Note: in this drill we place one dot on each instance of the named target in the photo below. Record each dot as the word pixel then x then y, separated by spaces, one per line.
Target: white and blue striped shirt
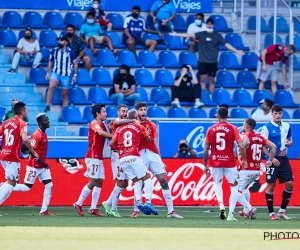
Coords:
pixel 62 61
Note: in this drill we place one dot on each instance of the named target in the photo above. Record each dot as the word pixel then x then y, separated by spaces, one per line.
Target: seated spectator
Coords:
pixel 186 88
pixel 91 33
pixel 100 17
pixel 263 113
pixel 75 44
pixel 28 50
pixel 185 151
pixel 10 114
pixel 162 13
pixel 134 27
pixel 124 87
pixel 197 26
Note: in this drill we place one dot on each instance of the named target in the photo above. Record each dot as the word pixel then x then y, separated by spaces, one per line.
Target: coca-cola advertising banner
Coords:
pixel 170 133
pixel 188 184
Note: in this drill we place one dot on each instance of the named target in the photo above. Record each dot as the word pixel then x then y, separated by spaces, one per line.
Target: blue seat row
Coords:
pixel 282 25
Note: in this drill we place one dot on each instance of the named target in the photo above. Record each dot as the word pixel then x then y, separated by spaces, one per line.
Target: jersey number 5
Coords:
pixel 9 138
pixel 127 139
pixel 221 144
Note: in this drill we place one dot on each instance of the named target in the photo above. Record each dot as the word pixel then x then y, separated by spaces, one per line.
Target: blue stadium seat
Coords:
pixel 72 115
pixel 83 131
pixel 106 58
pixel 83 78
pixel 116 20
pixel 144 96
pixel 179 23
pixel 115 39
pixel 174 42
pixel 98 95
pixel 296 65
pixel 156 112
pixel 164 78
pixel 149 23
pixel 285 115
pixel 205 98
pixel 243 98
pixel 236 41
pixel 94 62
pixel 213 112
pixel 151 36
pixel 34 20
pixel 268 85
pixel 296 41
pixel 238 113
pixel 249 60
pixel 197 113
pixel 87 114
pixel 168 59
pixel 190 19
pixel 176 113
pixel 102 77
pixel 48 38
pixel 160 96
pixel 281 24
pixel 247 80
pixel 2 113
pixel 263 24
pixel 220 24
pixel 296 24
pixel 226 79
pixel 285 99
pixel 77 96
pixel 269 40
pixel 38 76
pixel 148 59
pixel 74 18
pixel 221 96
pixel 189 58
pixel 260 95
pixel 57 96
pixel 112 111
pixel 54 20
pixel 296 114
pixel 229 61
pixel 13 20
pixel 8 38
pixel 144 77
pixel 128 58
pixel 2 25
pixel 21 34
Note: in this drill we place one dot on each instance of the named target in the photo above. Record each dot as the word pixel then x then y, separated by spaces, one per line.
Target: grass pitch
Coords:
pixel 22 228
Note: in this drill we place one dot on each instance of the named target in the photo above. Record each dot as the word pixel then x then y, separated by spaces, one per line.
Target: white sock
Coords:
pixel 84 193
pixel 244 202
pixel 281 210
pixel 246 193
pixel 234 193
pixel 168 198
pixel 6 191
pixel 271 214
pixel 109 200
pixel 135 208
pixel 219 193
pixel 138 190
pixel 148 189
pixel 2 186
pixel 95 197
pixel 21 187
pixel 115 198
pixel 47 196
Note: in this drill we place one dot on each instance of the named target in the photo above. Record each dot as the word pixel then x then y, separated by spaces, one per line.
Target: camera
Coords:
pixel 183 147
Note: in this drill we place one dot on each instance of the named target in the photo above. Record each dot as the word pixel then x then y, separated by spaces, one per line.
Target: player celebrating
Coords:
pixel 220 137
pixel 93 159
pixel 39 142
pixel 150 154
pixel 254 147
pixel 13 132
pixel 128 137
pixel 280 134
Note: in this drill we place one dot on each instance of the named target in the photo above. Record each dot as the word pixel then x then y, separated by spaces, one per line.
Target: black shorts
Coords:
pixel 283 173
pixel 209 69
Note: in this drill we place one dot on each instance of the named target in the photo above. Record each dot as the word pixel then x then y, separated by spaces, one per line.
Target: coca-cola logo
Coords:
pixel 196 139
pixel 71 165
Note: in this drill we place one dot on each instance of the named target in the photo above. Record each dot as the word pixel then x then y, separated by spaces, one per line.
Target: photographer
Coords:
pixel 184 150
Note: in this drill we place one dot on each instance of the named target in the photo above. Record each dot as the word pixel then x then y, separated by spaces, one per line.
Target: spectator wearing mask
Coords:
pixel 197 26
pixel 263 113
pixel 100 17
pixel 10 114
pixel 185 151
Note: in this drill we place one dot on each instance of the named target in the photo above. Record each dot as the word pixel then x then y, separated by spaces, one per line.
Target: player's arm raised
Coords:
pixel 272 153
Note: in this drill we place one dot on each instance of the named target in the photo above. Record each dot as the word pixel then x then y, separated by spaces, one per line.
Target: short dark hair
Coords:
pixel 200 14
pixel 96 108
pixel 30 30
pixel 276 108
pixel 126 67
pixel 140 105
pixel 269 102
pixel 223 112
pixel 19 108
pixel 210 20
pixel 250 122
pixel 39 117
pixel 291 46
pixel 224 105
pixel 122 106
pixel 71 26
pixel 97 1
pixel 136 7
pixel 184 66
pixel 91 13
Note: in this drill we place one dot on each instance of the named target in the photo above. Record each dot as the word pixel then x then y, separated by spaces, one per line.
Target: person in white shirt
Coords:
pixel 197 26
pixel 263 113
pixel 28 50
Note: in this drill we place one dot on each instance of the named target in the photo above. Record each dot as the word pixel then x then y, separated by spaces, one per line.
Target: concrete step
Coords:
pixel 4 58
pixel 12 78
pixel 6 97
pixel 17 88
pixel 53 116
pixel 5 67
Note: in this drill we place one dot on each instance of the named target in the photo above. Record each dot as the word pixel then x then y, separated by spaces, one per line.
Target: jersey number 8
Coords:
pixel 9 138
pixel 127 139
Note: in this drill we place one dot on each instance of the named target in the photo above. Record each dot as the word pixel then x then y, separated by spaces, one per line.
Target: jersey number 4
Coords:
pixel 9 137
pixel 127 142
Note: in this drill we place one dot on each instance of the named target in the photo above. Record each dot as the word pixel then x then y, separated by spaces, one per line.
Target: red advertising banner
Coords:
pixel 188 184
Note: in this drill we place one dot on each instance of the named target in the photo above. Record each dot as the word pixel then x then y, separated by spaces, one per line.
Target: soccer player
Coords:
pixel 128 137
pixel 150 154
pixel 280 134
pixel 13 132
pixel 39 142
pixel 93 159
pixel 220 138
pixel 247 175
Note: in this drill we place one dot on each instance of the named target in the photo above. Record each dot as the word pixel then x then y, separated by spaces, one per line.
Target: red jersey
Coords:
pixel 152 132
pixel 253 152
pixel 11 131
pixel 128 137
pixel 221 137
pixel 275 54
pixel 96 141
pixel 114 124
pixel 39 142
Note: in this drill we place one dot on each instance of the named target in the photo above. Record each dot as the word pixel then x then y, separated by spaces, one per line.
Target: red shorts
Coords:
pixel 103 23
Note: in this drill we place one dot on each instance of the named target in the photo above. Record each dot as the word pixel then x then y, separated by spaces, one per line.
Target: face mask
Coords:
pixel 135 15
pixel 27 37
pixel 95 6
pixel 60 45
pixel 286 54
pixel 209 30
pixel 198 22
pixel 186 75
pixel 263 107
pixel 69 34
pixel 90 21
pixel 123 74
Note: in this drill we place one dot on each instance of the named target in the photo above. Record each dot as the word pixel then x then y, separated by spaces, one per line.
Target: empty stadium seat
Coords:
pixel 189 58
pixel 72 115
pixel 144 96
pixel 285 99
pixel 174 42
pixel 83 78
pixel 54 20
pixel 296 114
pixel 296 65
pixel 149 23
pixel 228 60
pixel 296 24
pixel 2 113
pixel 115 39
pixel 38 76
pixel 190 19
pixel 87 114
pixel 48 38
pixel 221 96
pixel 160 96
pixel 220 24
pixel 13 20
pixel 56 97
pixel 168 59
pixel 8 38
pixel 238 113
pixel 98 95
pixel 269 40
pixel 45 55
pixel 285 115
pixel 243 98
pixel 77 96
pixel 34 20
pixel 21 34
pixel 249 61
pixel 156 112
pixel 247 80
pixel 281 24
pixel 116 20
pixel 197 113
pixel 127 57
pixel 74 18
pixel 106 58
pixel 236 41
pixel 102 77
pixel 205 98
pixel 112 111
pixel 148 59
pixel 263 24
pixel 164 78
pixel 296 41
pixel 83 131
pixel 179 23
pixel 260 95
pixel 176 113
pixel 2 25
pixel 144 77
pixel 94 62
pixel 226 79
